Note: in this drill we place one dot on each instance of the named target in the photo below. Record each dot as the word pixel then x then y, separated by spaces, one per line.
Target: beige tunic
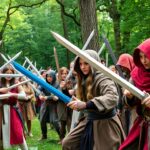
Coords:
pixel 27 106
pixel 108 133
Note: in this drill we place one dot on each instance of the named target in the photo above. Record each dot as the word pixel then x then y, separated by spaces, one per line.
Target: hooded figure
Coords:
pixel 52 74
pixel 48 111
pixel 126 63
pixel 139 136
pixel 128 115
pixel 99 127
pixel 126 60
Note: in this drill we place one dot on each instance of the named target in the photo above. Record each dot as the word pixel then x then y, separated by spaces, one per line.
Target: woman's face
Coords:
pixel 44 74
pixel 8 72
pixel 84 66
pixel 64 74
pixel 144 60
pixel 126 72
pixel 49 79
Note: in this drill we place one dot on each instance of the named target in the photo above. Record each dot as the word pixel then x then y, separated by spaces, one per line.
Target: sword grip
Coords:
pixel 146 95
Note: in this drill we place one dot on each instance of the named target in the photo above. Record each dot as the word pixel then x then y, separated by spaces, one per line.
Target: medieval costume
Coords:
pixel 99 126
pixel 11 122
pixel 48 111
pixel 138 137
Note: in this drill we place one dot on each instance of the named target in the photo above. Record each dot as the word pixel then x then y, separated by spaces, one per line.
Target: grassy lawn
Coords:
pixel 49 144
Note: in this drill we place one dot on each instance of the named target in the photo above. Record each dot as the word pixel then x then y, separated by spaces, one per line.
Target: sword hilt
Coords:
pixel 146 95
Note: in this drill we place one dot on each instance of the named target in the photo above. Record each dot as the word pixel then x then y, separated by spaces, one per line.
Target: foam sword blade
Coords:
pixel 122 82
pixel 41 82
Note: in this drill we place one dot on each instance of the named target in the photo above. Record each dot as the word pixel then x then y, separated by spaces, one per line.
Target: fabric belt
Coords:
pixel 100 116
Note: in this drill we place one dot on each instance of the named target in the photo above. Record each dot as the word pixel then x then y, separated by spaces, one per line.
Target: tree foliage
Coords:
pixel 25 26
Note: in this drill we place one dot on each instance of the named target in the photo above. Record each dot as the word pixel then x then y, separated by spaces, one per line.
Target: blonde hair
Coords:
pixel 62 69
pixel 88 83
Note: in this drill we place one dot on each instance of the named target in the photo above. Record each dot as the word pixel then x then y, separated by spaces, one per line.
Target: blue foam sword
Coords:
pixel 42 83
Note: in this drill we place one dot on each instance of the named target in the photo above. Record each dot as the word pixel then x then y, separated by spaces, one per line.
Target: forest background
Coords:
pixel 25 26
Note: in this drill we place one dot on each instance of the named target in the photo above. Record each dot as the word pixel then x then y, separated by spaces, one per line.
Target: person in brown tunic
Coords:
pixel 64 112
pixel 27 107
pixel 99 127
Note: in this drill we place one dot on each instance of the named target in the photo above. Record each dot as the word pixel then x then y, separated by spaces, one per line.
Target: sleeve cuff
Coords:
pixel 90 105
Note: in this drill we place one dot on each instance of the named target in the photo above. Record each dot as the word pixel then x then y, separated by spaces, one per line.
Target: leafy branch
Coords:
pixel 12 9
pixel 67 14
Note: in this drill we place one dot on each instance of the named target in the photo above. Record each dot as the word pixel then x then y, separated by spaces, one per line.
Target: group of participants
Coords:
pixel 101 115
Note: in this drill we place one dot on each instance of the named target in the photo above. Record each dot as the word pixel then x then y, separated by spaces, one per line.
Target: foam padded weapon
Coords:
pixel 88 40
pixel 41 82
pixel 12 59
pixel 116 78
pixel 57 64
pixel 112 55
pixel 10 75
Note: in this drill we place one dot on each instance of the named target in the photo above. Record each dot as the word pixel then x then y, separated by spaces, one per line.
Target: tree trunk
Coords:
pixel 116 22
pixel 126 40
pixel 115 15
pixel 65 32
pixel 88 21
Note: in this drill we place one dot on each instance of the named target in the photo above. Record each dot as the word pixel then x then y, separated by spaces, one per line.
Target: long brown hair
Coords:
pixel 88 82
pixel 3 79
pixel 81 94
pixel 62 69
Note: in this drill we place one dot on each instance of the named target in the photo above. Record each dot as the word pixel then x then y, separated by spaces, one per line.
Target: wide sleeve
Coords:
pixel 21 93
pixel 106 95
pixel 51 96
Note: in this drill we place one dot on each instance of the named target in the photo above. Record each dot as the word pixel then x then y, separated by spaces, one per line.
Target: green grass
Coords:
pixel 49 144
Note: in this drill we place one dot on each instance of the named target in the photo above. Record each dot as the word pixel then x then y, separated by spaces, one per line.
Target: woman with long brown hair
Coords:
pixel 11 131
pixel 96 99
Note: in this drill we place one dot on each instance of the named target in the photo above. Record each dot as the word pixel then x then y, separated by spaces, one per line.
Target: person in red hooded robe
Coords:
pixel 139 135
pixel 128 114
pixel 126 63
pixel 11 122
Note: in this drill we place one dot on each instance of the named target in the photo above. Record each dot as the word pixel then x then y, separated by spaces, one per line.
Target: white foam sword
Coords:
pixel 122 82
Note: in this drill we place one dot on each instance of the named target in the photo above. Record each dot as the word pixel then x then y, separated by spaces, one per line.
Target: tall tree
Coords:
pixel 113 7
pixel 88 21
pixel 61 2
pixel 12 8
pixel 134 26
pixel 72 16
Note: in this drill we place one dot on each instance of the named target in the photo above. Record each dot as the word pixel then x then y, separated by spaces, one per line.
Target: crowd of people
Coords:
pixel 101 115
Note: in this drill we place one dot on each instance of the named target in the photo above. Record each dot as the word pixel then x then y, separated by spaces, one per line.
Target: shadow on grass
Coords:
pixel 53 141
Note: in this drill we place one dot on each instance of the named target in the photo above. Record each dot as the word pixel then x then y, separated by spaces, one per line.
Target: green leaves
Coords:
pixel 28 28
